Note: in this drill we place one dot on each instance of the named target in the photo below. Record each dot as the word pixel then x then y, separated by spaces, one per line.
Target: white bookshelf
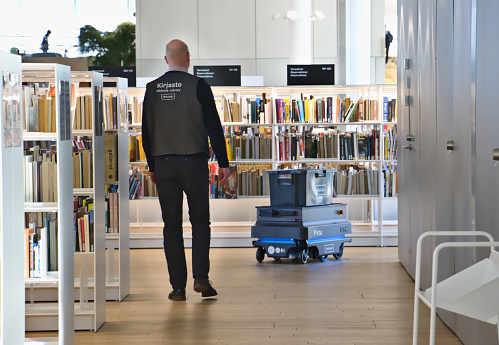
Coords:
pixel 11 203
pixel 93 288
pixel 90 271
pixel 118 269
pixel 367 212
pixel 58 316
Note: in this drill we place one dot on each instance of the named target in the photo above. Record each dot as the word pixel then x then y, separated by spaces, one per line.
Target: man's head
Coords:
pixel 177 54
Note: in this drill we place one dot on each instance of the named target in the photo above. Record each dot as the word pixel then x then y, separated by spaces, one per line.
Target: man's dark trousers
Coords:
pixel 175 175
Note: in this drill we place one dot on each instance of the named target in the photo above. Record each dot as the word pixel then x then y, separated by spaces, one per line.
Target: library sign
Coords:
pixel 311 74
pixel 220 75
pixel 128 72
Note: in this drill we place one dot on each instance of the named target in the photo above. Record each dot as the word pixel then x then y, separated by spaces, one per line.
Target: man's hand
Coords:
pixel 152 175
pixel 223 176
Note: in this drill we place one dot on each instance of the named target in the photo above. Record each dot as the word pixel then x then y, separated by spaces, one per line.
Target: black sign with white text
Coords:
pixel 220 75
pixel 128 72
pixel 311 74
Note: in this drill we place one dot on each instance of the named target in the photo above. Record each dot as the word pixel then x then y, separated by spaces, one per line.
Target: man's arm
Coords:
pixel 212 123
pixel 147 110
pixel 214 129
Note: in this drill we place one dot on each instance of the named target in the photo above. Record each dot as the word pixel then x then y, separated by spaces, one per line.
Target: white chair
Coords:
pixel 471 292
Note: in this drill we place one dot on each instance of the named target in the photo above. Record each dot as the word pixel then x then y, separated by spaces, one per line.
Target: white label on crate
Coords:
pixel 319 190
pixel 329 248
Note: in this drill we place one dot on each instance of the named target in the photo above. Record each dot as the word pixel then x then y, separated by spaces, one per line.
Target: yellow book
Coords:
pixel 41 114
pixel 111 110
pixel 286 107
pixel 307 109
pixel 132 148
pixel 142 154
pixel 54 115
pixel 87 116
pixel 229 149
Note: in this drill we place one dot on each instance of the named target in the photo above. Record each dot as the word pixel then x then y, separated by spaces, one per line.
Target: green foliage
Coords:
pixel 112 47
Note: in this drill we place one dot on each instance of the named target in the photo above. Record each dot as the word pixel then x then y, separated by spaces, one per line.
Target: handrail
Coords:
pixel 417 282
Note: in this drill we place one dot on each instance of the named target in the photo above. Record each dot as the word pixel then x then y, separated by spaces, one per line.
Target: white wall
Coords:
pixel 240 32
pixel 228 32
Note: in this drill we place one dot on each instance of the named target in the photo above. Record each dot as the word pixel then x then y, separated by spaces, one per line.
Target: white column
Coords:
pixel 300 32
pixel 358 42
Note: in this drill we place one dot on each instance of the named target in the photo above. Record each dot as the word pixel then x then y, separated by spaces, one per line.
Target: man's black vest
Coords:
pixel 176 124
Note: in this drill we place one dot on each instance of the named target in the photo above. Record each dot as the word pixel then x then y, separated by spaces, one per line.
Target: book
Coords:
pixel 230 191
pixel 110 161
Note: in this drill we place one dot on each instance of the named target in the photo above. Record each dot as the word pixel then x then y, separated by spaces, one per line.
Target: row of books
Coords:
pixel 112 209
pixel 134 110
pixel 110 117
pixel 40 244
pixel 328 145
pixel 83 224
pixel 248 146
pixel 356 182
pixel 389 109
pixel 390 143
pixel 365 181
pixel 244 109
pixel 135 184
pixel 40 112
pixel 314 110
pixel 81 112
pixel 135 149
pixel 253 181
pixel 83 172
pixel 40 175
pixel 140 184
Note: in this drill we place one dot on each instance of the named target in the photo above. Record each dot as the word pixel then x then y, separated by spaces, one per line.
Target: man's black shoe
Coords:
pixel 177 295
pixel 204 286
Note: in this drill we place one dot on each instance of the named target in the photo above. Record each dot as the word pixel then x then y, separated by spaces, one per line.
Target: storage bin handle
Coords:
pixel 276 213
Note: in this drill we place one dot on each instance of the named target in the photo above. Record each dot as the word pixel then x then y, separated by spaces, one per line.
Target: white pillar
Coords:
pixel 300 32
pixel 358 42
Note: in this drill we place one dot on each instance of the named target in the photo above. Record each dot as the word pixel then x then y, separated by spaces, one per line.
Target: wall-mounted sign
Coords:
pixel 311 74
pixel 220 75
pixel 128 72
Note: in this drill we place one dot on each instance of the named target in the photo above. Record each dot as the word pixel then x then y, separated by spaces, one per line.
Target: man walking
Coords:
pixel 179 114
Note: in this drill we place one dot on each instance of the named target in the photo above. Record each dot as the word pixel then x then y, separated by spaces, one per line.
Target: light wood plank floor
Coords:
pixel 365 298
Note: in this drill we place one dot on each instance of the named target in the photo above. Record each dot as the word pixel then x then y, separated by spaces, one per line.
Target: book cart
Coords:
pixel 11 202
pixel 118 269
pixel 365 211
pixel 64 315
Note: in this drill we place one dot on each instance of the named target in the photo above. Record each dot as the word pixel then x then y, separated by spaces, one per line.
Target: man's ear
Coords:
pixel 166 60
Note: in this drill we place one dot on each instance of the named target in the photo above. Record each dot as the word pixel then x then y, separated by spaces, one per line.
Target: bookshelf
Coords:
pixel 90 283
pixel 118 268
pixel 64 316
pixel 373 212
pixel 11 203
pixel 89 265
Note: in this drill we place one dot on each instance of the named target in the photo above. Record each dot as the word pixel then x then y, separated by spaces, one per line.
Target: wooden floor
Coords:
pixel 365 298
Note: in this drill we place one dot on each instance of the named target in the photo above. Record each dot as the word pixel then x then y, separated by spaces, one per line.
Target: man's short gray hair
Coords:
pixel 175 49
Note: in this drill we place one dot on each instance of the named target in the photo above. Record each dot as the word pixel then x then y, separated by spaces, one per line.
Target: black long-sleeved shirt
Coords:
pixel 210 118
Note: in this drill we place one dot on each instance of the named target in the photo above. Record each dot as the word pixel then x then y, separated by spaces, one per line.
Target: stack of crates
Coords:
pixel 302 221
